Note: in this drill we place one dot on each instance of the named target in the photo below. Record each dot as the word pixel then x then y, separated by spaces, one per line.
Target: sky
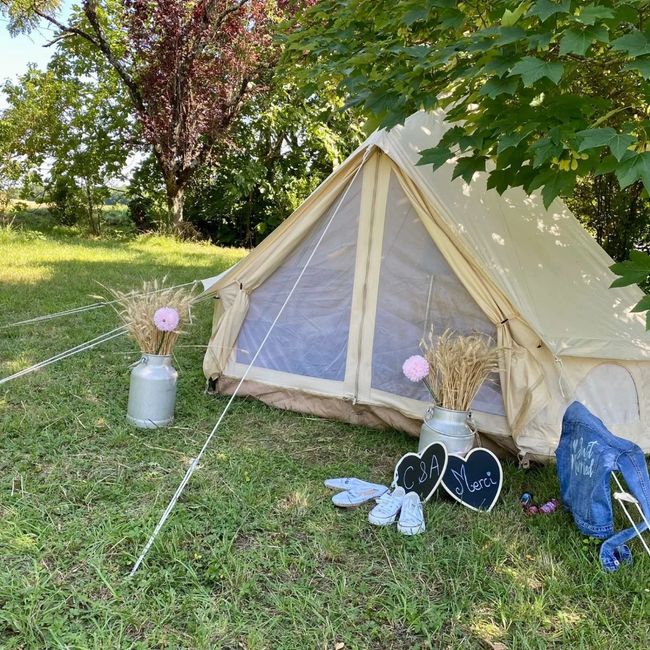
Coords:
pixel 16 52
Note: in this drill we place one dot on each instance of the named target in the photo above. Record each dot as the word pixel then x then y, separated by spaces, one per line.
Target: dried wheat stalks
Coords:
pixel 458 366
pixel 137 309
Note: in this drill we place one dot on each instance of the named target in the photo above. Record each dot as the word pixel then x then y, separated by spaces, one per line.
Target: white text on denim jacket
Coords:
pixel 582 457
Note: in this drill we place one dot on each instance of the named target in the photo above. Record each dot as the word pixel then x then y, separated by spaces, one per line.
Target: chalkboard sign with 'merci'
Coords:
pixel 421 473
pixel 475 481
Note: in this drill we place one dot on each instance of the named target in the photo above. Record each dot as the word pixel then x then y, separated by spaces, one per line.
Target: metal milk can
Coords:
pixel 152 394
pixel 455 429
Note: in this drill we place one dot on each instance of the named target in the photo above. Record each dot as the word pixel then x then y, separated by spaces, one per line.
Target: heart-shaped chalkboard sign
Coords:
pixel 421 473
pixel 475 481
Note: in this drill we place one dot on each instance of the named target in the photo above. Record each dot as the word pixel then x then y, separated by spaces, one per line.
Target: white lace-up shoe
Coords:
pixel 356 497
pixel 350 484
pixel 387 508
pixel 411 518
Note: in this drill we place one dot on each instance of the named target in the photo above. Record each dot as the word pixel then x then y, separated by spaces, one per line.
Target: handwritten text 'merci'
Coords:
pixel 474 486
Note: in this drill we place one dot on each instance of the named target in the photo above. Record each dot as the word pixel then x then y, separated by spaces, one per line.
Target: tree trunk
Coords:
pixel 175 201
pixel 95 226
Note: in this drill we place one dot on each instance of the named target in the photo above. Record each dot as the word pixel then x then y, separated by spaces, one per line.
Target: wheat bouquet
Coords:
pixel 453 367
pixel 154 316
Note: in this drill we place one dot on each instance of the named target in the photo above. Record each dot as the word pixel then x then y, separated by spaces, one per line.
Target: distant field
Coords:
pixel 254 556
pixel 37 217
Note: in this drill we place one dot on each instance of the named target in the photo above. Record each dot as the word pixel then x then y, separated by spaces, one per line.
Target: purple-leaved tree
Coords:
pixel 188 67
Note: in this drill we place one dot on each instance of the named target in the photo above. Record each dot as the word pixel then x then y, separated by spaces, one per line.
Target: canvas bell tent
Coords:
pixel 385 250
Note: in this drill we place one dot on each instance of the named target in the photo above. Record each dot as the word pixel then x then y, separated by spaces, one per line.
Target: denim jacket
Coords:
pixel 586 456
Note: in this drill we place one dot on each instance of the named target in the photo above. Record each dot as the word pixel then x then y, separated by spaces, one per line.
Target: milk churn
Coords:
pixel 455 429
pixel 152 394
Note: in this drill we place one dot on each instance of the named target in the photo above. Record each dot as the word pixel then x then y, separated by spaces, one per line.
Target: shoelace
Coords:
pixel 387 501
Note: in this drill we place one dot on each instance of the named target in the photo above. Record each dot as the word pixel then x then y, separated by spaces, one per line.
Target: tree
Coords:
pixel 548 91
pixel 68 129
pixel 286 148
pixel 618 219
pixel 187 66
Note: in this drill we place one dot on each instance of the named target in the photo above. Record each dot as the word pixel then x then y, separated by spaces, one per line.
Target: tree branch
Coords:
pixel 98 40
pixel 90 10
pixel 67 29
pixel 209 5
pixel 58 38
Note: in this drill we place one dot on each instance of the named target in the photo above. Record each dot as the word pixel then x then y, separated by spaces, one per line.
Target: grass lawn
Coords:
pixel 254 555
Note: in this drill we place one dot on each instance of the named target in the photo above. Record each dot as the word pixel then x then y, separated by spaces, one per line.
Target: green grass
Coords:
pixel 254 555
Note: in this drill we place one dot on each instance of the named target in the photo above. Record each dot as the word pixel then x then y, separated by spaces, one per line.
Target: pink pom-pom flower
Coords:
pixel 415 368
pixel 166 319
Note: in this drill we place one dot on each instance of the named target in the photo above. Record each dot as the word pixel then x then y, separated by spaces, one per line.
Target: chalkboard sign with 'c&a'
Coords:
pixel 421 473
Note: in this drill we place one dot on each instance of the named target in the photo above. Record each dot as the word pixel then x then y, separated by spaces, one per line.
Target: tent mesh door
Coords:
pixel 413 276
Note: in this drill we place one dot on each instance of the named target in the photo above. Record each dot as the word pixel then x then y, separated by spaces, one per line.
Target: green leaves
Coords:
pixel 636 270
pixel 618 143
pixel 554 183
pixel 553 92
pixel 511 17
pixel 544 9
pixel 544 150
pixel 632 271
pixel 592 14
pixel 633 168
pixel 578 41
pixel 467 166
pixel 532 69
pixel 495 87
pixel 436 156
pixel 634 44
pixel 642 66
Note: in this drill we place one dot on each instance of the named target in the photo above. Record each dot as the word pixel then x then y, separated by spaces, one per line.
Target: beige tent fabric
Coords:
pixel 527 251
pixel 234 306
pixel 512 257
pixel 369 415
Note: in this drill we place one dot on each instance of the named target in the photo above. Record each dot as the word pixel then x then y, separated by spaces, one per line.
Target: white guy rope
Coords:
pixel 627 514
pixel 82 347
pixel 90 307
pixel 195 461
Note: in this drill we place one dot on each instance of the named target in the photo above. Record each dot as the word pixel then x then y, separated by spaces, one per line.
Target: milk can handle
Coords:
pixel 471 425
pixel 143 359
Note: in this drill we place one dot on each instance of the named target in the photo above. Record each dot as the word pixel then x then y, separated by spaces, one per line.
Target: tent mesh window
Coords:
pixel 414 276
pixel 311 336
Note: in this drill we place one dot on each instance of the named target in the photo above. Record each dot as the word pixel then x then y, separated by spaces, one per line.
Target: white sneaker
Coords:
pixel 389 504
pixel 356 497
pixel 350 484
pixel 411 518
